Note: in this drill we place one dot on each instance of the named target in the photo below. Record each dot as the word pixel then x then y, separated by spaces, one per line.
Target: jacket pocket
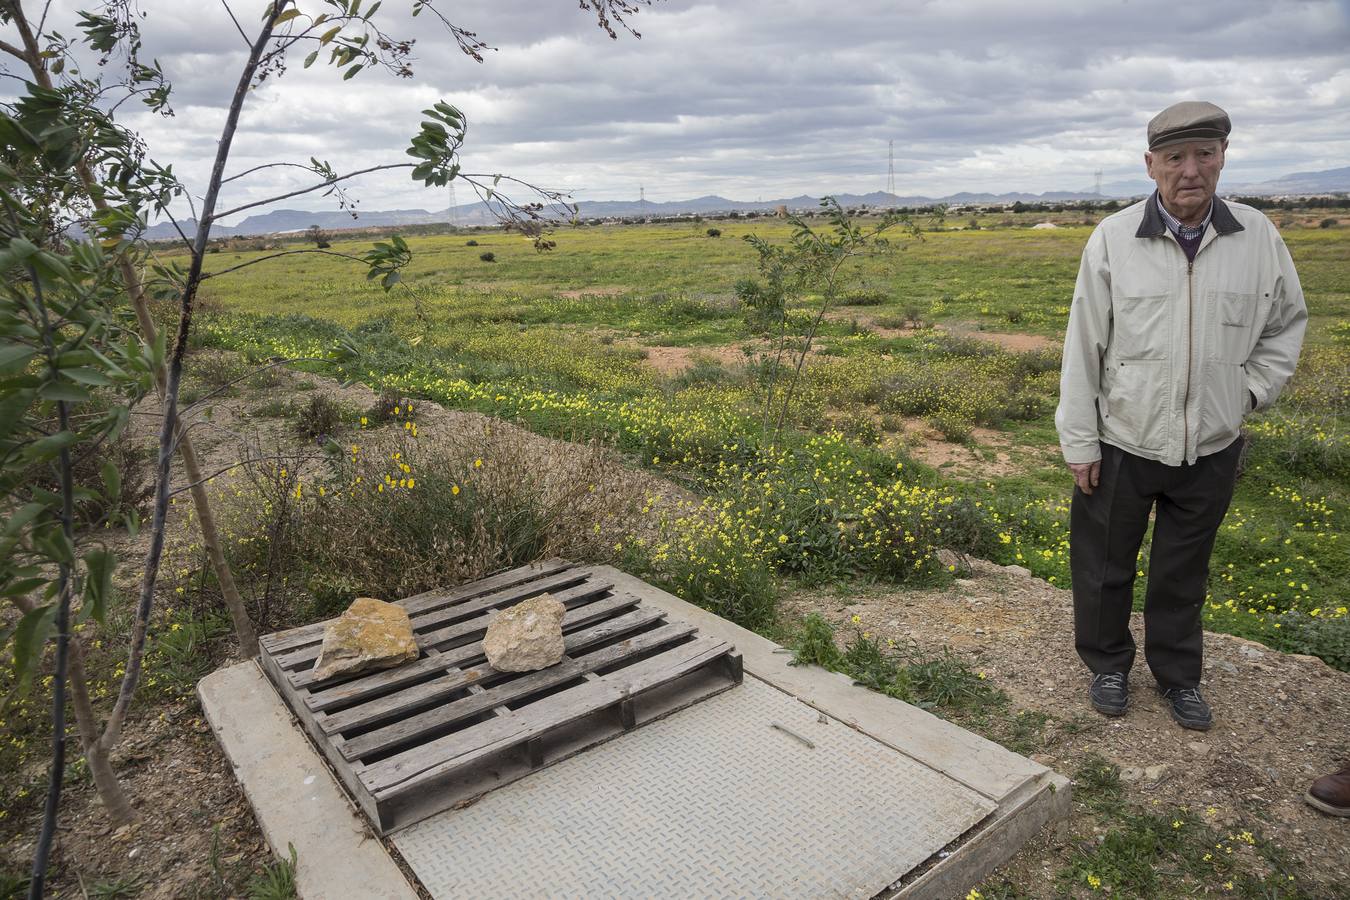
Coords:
pixel 1140 327
pixel 1137 404
pixel 1225 402
pixel 1233 315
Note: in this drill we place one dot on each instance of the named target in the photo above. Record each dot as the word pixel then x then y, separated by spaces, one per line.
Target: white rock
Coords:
pixel 526 637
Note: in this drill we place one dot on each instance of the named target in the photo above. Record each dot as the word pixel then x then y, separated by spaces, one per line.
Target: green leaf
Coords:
pixel 14 357
pixel 85 375
pixel 309 60
pixel 54 544
pixel 55 390
pixel 34 629
pixel 329 35
pixel 49 446
pixel 27 513
pixel 285 17
pixel 351 72
pixel 112 480
pixel 21 586
pixel 98 586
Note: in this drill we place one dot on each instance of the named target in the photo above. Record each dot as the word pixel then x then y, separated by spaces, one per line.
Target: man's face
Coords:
pixel 1187 175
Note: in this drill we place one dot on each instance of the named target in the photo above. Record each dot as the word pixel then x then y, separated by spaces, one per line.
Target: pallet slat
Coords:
pixel 382 739
pixel 326 696
pixel 464 748
pixel 307 634
pixel 382 709
pixel 480 610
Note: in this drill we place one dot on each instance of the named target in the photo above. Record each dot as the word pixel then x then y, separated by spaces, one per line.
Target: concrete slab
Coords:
pixel 295 798
pixel 751 793
pixel 988 800
pixel 980 764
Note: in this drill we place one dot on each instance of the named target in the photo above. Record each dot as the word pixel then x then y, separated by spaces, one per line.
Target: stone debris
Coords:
pixel 526 637
pixel 371 634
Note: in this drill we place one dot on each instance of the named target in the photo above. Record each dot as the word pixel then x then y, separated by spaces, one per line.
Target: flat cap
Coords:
pixel 1189 120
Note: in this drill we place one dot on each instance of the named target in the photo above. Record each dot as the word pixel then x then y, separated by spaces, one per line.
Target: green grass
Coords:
pixel 505 340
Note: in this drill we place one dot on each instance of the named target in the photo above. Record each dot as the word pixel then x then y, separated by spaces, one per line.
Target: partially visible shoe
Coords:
pixel 1189 709
pixel 1331 793
pixel 1110 693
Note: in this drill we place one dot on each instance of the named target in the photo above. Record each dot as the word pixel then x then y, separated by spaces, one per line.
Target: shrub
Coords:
pixel 423 512
pixel 865 298
pixel 319 419
pixel 951 425
pixel 714 232
pixel 471 243
pixel 388 406
pixel 488 256
pixel 1013 315
pixel 1323 637
pixel 862 428
pixel 212 374
pixel 813 644
pixel 1328 223
pixel 940 680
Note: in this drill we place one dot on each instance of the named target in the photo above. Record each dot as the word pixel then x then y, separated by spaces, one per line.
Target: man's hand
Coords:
pixel 1086 475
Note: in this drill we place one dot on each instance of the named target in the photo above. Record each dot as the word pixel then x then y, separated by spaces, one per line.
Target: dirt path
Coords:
pixel 1280 720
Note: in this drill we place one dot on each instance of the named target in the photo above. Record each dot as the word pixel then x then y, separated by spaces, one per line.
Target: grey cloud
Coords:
pixel 776 97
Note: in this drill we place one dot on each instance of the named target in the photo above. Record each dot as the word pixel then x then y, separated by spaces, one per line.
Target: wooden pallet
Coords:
pixel 446 728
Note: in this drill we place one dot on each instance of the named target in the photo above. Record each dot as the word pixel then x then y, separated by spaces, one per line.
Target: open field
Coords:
pixel 923 423
pixel 935 379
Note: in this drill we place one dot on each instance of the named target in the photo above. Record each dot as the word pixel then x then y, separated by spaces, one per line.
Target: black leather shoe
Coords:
pixel 1189 709
pixel 1110 693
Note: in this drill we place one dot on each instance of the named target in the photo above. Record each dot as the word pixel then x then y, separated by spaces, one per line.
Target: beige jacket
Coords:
pixel 1164 358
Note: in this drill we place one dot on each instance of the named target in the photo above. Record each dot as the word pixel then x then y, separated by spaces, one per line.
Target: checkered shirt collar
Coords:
pixel 1191 232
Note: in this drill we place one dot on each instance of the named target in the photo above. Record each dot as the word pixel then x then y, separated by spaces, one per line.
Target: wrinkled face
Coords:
pixel 1187 176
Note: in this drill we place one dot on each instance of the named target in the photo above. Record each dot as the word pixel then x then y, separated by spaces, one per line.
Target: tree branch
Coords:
pixel 265 166
pixel 229 212
pixel 112 730
pixel 237 26
pixel 246 462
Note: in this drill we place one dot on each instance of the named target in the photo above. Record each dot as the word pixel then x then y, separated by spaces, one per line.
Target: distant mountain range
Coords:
pixel 280 221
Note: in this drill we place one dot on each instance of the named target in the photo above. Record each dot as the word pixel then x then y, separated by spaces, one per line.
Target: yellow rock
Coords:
pixel 371 634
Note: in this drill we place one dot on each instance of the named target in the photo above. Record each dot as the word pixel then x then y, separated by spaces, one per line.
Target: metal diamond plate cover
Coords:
pixel 751 793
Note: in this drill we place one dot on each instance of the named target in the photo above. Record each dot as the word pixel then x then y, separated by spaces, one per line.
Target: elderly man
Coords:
pixel 1187 316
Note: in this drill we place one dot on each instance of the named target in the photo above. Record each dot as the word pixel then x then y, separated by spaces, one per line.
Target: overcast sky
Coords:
pixel 773 98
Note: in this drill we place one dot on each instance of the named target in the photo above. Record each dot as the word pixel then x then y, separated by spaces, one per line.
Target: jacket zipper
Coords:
pixel 1186 396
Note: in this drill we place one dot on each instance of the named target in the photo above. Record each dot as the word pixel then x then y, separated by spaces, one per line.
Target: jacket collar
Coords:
pixel 1151 225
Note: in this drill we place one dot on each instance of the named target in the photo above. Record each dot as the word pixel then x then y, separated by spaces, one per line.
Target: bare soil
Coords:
pixel 985 454
pixel 610 291
pixel 674 360
pixel 1281 720
pixel 1008 340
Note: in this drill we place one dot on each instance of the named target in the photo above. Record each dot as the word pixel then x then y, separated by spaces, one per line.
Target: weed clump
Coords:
pixel 488 256
pixel 400 517
pixel 319 419
pixel 939 680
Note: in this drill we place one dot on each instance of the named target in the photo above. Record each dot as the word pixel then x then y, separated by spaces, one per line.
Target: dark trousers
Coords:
pixel 1106 529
